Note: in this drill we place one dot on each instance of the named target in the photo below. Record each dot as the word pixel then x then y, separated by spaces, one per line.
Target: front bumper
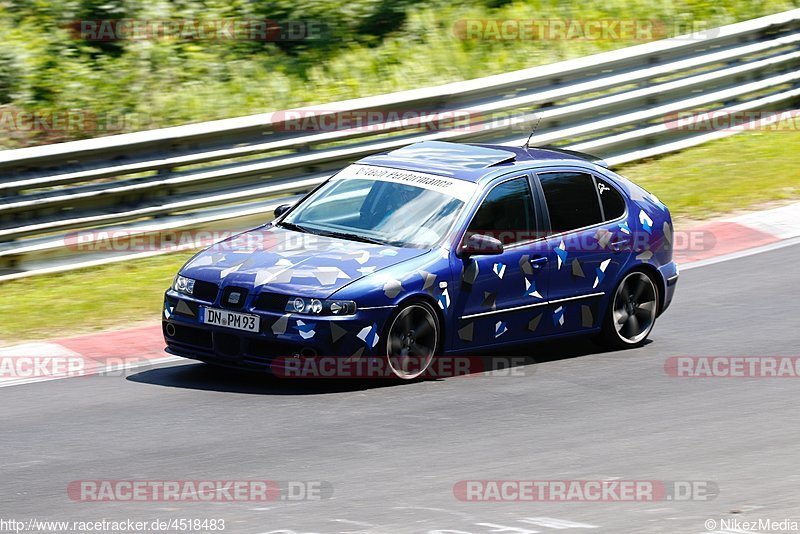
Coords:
pixel 281 335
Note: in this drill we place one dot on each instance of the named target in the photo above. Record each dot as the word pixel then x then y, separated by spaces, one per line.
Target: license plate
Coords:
pixel 229 319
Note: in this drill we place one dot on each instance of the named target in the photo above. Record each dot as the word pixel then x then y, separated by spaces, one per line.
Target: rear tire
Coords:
pixel 631 312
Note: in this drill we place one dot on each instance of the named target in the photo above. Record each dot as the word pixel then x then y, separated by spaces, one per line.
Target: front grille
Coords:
pixel 233 297
pixel 227 344
pixel 268 349
pixel 271 302
pixel 232 348
pixel 191 336
pixel 206 291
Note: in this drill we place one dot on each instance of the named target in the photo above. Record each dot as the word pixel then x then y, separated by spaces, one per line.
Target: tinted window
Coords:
pixel 613 203
pixel 506 213
pixel 391 212
pixel 571 200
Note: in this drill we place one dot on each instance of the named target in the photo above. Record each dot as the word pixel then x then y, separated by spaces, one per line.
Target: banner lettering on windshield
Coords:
pixel 460 189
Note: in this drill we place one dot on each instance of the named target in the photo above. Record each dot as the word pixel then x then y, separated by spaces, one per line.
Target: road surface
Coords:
pixel 393 454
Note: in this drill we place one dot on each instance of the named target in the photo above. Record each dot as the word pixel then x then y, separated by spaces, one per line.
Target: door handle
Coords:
pixel 539 262
pixel 617 246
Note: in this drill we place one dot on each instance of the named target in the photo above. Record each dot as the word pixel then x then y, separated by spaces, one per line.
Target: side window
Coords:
pixel 612 201
pixel 506 213
pixel 571 200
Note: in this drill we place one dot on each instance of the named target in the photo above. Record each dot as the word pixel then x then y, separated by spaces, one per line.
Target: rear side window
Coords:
pixel 572 200
pixel 612 201
pixel 506 213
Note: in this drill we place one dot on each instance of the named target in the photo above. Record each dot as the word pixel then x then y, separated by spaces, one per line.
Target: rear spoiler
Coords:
pixel 582 155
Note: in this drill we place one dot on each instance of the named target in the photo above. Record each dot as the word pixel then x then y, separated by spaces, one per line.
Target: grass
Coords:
pixel 729 174
pixel 370 47
pixel 75 302
pixel 726 175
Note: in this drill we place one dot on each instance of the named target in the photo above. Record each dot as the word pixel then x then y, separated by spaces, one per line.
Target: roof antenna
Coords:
pixel 535 126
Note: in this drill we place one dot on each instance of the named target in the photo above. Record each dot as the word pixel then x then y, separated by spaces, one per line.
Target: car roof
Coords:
pixel 472 162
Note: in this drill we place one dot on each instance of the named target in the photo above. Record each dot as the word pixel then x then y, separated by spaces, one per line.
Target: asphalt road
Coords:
pixel 393 453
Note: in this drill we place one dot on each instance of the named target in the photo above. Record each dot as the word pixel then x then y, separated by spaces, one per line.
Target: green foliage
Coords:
pixel 366 47
pixel 9 76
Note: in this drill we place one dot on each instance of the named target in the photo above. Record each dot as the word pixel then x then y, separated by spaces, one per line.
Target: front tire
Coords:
pixel 631 312
pixel 412 340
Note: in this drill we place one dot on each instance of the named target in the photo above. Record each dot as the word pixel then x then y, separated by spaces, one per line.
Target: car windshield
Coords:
pixel 382 205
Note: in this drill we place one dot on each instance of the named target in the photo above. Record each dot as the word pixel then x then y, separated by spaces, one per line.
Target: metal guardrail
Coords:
pixel 231 173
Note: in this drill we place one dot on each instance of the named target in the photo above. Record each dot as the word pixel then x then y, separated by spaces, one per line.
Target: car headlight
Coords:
pixel 184 285
pixel 321 307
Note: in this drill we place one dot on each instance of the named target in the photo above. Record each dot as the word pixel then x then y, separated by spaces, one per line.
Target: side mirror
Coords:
pixel 480 245
pixel 280 210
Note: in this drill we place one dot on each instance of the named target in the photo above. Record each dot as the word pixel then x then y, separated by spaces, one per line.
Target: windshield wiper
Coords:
pixel 331 233
pixel 295 227
pixel 353 237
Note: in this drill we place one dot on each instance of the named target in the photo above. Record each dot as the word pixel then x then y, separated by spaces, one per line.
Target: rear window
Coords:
pixel 572 200
pixel 612 201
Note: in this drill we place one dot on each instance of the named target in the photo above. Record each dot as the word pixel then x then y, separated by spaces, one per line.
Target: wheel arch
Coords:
pixel 428 299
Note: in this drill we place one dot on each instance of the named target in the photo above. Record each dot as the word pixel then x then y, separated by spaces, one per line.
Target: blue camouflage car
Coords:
pixel 433 249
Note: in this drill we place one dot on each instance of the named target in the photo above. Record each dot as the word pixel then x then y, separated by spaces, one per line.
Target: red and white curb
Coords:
pixel 105 353
pixel 742 235
pixel 113 353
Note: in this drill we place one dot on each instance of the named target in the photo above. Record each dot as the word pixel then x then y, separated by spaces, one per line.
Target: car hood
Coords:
pixel 278 260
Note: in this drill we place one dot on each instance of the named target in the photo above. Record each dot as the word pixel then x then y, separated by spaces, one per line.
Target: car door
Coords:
pixel 498 292
pixel 589 242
